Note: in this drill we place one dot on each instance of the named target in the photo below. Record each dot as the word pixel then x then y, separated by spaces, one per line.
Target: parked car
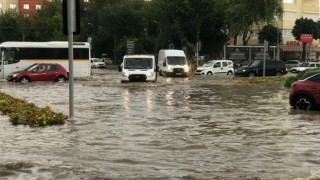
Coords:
pixel 292 63
pixel 40 72
pixel 97 63
pixel 304 66
pixel 216 67
pixel 272 68
pixel 305 93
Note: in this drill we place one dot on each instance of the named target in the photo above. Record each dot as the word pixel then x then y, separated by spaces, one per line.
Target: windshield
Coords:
pixel 254 64
pixel 208 64
pixel 304 65
pixel 30 67
pixel 175 60
pixel 138 63
pixel 95 60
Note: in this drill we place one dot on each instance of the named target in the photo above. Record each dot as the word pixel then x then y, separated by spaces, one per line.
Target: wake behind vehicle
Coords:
pixel 40 72
pixel 305 93
pixel 138 68
pixel 216 67
pixel 272 68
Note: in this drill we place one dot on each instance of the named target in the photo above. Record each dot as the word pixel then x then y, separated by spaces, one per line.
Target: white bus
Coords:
pixel 16 56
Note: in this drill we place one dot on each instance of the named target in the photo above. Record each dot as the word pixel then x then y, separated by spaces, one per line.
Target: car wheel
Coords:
pixel 230 73
pixel 303 103
pixel 209 73
pixel 278 74
pixel 251 74
pixel 160 73
pixel 24 79
pixel 61 79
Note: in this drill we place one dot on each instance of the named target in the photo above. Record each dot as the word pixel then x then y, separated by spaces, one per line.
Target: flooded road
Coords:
pixel 201 127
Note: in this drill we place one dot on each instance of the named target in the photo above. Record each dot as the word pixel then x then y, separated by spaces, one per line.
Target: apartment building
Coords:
pixel 26 7
pixel 289 47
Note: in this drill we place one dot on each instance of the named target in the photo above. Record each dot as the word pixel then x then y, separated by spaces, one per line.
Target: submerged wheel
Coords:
pixel 278 74
pixel 230 73
pixel 209 73
pixel 251 74
pixel 303 103
pixel 25 79
pixel 61 79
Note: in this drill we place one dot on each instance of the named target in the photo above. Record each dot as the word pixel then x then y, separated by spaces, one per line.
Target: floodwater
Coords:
pixel 200 127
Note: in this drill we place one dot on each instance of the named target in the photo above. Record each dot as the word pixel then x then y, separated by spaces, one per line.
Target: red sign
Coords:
pixel 307 38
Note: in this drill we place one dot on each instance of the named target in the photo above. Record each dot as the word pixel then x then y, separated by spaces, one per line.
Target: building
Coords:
pixel 289 47
pixel 29 7
pixel 26 7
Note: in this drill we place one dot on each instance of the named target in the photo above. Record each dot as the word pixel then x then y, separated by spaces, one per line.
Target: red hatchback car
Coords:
pixel 40 72
pixel 305 93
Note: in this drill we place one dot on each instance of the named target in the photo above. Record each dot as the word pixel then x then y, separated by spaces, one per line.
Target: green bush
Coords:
pixel 21 112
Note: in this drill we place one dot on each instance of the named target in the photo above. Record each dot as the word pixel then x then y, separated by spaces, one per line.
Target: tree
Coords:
pixel 241 15
pixel 271 34
pixel 9 26
pixel 305 26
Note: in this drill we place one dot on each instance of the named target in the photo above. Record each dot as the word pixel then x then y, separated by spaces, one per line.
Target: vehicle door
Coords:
pixel 38 73
pixel 51 72
pixel 217 67
pixel 271 68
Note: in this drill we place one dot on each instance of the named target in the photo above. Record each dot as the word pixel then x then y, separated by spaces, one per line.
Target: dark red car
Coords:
pixel 305 93
pixel 40 72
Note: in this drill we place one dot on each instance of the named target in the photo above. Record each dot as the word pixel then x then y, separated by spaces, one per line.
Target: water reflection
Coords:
pixel 199 127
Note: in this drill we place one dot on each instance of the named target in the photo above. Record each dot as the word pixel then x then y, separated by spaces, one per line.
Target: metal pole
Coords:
pixel 2 65
pixel 264 57
pixel 71 13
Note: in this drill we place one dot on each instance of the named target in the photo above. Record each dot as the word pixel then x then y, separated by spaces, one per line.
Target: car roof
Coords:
pixel 309 74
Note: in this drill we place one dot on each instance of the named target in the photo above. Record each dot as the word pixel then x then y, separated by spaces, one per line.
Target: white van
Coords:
pixel 172 62
pixel 216 67
pixel 138 68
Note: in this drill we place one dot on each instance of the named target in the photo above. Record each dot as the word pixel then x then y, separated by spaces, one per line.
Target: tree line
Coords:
pixel 152 25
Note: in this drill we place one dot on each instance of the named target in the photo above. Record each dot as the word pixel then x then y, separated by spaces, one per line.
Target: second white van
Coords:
pixel 216 67
pixel 173 62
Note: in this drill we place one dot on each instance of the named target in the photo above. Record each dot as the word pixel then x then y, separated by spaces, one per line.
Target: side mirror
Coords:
pixel 120 68
pixel 164 64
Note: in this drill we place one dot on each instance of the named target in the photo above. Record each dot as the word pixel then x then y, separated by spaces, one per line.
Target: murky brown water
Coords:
pixel 201 127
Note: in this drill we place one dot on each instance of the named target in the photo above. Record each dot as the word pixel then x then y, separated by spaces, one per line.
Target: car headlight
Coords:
pixel 125 74
pixel 186 69
pixel 244 70
pixel 170 68
pixel 14 75
pixel 150 74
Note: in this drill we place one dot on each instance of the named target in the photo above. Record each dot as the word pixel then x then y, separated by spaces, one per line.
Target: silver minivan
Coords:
pixel 216 67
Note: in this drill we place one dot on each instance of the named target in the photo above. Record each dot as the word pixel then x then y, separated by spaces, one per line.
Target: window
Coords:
pixel 289 1
pixel 255 34
pixel 13 6
pixel 38 7
pixel 287 33
pixel 26 6
pixel 312 16
pixel 287 15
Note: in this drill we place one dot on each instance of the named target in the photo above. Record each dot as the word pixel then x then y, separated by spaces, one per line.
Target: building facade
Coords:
pixel 289 47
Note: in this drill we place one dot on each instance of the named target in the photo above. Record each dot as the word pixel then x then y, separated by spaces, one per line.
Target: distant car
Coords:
pixel 292 63
pixel 304 66
pixel 305 93
pixel 40 72
pixel 272 68
pixel 216 67
pixel 97 63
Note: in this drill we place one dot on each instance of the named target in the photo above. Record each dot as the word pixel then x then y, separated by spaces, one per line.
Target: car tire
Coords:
pixel 251 74
pixel 24 79
pixel 61 79
pixel 230 73
pixel 209 73
pixel 303 102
